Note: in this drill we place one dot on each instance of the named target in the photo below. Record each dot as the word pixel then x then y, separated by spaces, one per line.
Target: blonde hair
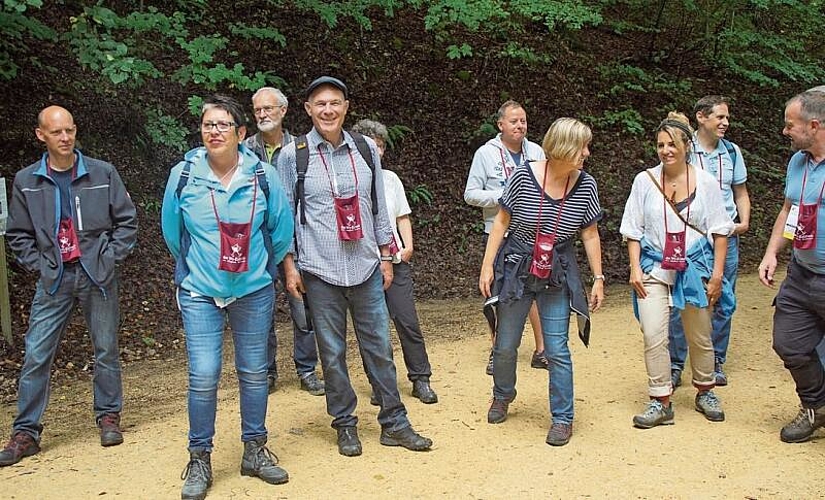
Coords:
pixel 678 127
pixel 565 139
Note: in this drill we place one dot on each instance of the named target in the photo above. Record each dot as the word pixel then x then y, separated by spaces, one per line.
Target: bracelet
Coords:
pixel 386 258
pixel 598 277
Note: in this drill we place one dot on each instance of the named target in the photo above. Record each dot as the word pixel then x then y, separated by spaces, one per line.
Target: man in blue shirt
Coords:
pixel 723 159
pixel 799 318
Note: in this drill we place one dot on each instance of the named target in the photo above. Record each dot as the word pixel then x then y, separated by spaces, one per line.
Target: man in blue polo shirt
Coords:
pixel 723 159
pixel 799 318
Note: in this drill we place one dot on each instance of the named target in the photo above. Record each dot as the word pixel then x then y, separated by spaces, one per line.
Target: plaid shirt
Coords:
pixel 320 251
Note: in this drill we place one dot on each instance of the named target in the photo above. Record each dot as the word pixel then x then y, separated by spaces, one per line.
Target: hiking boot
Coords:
pixel 498 410
pixel 407 438
pixel 110 433
pixel 708 404
pixel 197 475
pixel 312 385
pixel 271 383
pixel 348 443
pixel 540 361
pixel 258 461
pixel 21 444
pixel 655 414
pixel 559 434
pixel 489 370
pixel 803 425
pixel 675 378
pixel 423 391
pixel 719 375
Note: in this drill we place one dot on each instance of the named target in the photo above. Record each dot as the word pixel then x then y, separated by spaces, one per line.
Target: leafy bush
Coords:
pixel 18 27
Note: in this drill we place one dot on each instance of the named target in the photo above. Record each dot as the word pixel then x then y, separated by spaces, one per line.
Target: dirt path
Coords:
pixel 607 457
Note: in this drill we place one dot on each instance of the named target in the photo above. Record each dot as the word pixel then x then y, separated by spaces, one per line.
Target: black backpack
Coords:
pixel 302 163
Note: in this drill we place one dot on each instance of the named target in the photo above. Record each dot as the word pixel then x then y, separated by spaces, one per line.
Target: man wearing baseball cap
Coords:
pixel 342 260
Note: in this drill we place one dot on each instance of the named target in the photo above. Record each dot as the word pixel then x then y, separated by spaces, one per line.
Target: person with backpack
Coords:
pixel 270 106
pixel 227 223
pixel 722 159
pixel 342 261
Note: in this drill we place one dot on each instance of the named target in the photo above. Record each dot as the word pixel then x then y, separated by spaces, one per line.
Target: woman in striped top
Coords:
pixel 676 229
pixel 530 256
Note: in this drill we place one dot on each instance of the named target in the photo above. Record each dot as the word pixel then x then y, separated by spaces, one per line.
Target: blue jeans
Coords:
pixel 250 318
pixel 720 335
pixel 368 310
pixel 305 351
pixel 49 318
pixel 554 312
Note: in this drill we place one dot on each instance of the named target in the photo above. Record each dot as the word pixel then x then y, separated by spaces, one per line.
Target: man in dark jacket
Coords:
pixel 71 221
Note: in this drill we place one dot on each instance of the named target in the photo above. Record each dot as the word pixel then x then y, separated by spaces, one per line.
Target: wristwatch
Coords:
pixel 598 277
pixel 386 258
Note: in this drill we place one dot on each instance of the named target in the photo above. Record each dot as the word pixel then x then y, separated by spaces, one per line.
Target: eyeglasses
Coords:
pixel 266 109
pixel 207 127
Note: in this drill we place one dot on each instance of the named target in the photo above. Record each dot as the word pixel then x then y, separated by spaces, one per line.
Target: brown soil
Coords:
pixel 607 457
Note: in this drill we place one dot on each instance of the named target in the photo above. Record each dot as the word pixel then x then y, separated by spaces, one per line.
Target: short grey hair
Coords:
pixel 818 88
pixel 279 96
pixel 812 105
pixel 373 129
pixel 504 107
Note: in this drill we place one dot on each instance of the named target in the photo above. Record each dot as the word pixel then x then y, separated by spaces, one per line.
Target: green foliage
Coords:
pixel 628 119
pixel 420 194
pixel 19 27
pixel 396 134
pixel 627 80
pixel 457 52
pixel 165 130
pixel 331 12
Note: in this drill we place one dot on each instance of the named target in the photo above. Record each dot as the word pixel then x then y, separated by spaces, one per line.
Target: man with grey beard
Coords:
pixel 270 106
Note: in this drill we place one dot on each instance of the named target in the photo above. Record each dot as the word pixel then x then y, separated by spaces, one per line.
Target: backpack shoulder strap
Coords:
pixel 183 179
pixel 366 153
pixel 731 150
pixel 301 165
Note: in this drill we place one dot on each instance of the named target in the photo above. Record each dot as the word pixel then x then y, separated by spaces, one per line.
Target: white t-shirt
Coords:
pixel 397 204
pixel 645 212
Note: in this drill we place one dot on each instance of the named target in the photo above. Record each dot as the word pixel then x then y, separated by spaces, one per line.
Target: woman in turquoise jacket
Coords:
pixel 227 222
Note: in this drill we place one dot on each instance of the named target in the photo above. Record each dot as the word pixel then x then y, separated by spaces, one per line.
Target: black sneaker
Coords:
pixel 348 443
pixel 110 433
pixel 423 391
pixel 675 378
pixel 197 476
pixel 489 369
pixel 498 410
pixel 802 427
pixel 258 461
pixel 271 382
pixel 21 445
pixel 312 385
pixel 719 374
pixel 407 438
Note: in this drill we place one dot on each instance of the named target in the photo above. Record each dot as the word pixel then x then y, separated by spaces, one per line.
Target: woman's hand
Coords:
pixel 485 279
pixel 714 289
pixel 597 295
pixel 636 277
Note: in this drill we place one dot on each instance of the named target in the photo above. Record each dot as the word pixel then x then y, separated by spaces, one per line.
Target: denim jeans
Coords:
pixel 721 323
pixel 368 310
pixel 49 318
pixel 554 312
pixel 401 305
pixel 305 351
pixel 250 318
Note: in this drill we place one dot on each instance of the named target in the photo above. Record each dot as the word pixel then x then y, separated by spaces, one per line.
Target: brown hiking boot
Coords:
pixel 110 433
pixel 20 445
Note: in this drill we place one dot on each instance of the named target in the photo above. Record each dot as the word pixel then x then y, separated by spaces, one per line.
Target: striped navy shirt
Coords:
pixel 521 200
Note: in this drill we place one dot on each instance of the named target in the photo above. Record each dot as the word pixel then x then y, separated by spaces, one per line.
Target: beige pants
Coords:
pixel 654 316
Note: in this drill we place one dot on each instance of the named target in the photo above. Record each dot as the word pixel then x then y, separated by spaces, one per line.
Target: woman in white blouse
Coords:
pixel 676 228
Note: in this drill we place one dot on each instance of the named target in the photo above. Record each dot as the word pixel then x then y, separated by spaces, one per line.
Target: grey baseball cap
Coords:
pixel 327 80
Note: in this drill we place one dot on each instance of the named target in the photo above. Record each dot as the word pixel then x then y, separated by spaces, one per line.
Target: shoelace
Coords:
pixel 197 468
pixel 655 406
pixel 711 400
pixel 265 457
pixel 811 414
